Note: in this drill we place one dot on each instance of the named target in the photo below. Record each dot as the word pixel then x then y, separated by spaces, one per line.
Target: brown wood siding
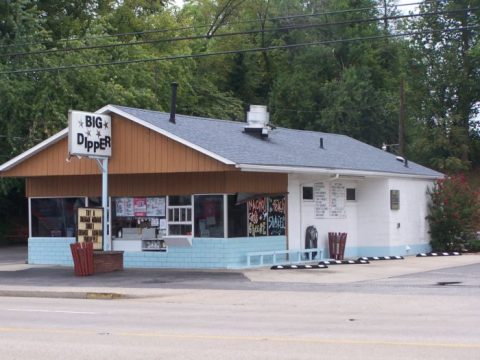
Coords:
pixel 53 186
pixel 158 184
pixel 135 150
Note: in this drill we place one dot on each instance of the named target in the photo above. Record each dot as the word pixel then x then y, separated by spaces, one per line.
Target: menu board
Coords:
pixel 337 200
pixel 156 206
pixel 276 215
pixel 257 217
pixel 329 199
pixel 90 226
pixel 124 207
pixel 320 198
pixel 120 207
pixel 139 206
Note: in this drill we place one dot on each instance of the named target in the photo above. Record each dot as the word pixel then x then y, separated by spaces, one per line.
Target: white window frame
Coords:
pixel 179 222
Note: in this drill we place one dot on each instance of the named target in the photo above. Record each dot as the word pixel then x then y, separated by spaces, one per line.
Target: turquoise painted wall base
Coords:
pixel 205 253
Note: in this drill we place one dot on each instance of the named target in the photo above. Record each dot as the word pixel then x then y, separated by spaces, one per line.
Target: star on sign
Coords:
pixel 105 124
pixel 98 133
pixel 80 123
pixel 89 133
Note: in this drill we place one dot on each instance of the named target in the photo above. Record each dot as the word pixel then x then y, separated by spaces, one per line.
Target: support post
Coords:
pixel 107 241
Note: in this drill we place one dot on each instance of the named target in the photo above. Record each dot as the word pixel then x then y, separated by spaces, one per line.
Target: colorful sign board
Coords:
pixel 90 226
pixel 257 216
pixel 276 215
pixel 89 134
pixel 266 216
pixel 139 206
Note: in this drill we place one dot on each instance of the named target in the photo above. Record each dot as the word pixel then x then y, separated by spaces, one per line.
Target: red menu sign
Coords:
pixel 139 206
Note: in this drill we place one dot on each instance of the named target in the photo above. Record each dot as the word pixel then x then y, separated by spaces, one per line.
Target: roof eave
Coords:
pixel 34 150
pixel 315 170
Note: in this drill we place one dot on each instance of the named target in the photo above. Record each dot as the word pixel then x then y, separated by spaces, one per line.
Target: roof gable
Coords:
pixel 135 149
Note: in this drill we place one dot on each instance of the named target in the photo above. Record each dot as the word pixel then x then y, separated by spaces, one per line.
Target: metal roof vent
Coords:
pixel 257 121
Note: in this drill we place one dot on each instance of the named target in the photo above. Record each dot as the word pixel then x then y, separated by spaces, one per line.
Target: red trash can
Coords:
pixel 82 254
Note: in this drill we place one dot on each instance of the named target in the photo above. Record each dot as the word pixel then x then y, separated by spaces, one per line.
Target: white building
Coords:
pixel 209 175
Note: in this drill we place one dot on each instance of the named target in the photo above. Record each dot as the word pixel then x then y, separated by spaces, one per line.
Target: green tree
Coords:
pixel 454 212
pixel 444 80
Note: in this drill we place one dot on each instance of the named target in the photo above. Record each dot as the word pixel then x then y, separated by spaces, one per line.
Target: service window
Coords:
pixel 237 217
pixel 54 217
pixel 208 216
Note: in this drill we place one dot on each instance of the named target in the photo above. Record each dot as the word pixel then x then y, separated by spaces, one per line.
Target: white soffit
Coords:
pixel 345 172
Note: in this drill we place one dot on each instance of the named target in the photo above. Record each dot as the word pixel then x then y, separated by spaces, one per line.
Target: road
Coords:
pixel 407 317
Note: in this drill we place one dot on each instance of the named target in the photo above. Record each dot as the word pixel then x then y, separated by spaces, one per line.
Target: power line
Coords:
pixel 248 32
pixel 287 17
pixel 230 52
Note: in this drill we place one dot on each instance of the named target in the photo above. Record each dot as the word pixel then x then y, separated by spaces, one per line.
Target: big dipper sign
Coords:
pixel 90 134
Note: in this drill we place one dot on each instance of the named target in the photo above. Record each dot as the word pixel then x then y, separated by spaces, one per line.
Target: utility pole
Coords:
pixel 401 121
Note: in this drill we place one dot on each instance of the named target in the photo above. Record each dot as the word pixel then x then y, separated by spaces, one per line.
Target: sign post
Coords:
pixel 90 135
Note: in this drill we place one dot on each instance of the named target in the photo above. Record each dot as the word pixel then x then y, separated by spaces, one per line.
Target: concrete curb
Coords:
pixel 63 294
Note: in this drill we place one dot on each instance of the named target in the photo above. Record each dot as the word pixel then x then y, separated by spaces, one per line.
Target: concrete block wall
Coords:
pixel 205 253
pixel 50 251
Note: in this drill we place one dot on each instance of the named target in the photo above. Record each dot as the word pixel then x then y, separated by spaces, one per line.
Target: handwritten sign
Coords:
pixel 90 226
pixel 337 200
pixel 320 198
pixel 276 215
pixel 257 217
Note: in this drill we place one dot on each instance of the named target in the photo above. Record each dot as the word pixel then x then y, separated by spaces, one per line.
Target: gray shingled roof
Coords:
pixel 283 147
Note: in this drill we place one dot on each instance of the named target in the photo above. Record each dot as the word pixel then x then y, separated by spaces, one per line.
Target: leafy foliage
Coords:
pixel 348 87
pixel 454 214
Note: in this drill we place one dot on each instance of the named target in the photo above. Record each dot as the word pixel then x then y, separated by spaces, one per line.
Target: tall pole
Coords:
pixel 401 121
pixel 107 242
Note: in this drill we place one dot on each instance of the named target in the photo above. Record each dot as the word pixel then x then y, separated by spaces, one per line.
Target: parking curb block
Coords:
pixel 298 267
pixel 376 258
pixel 453 253
pixel 344 262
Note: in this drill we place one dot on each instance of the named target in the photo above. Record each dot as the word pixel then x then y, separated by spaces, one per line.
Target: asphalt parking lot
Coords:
pixel 427 275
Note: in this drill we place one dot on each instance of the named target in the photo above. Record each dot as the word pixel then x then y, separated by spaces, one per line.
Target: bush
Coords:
pixel 454 211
